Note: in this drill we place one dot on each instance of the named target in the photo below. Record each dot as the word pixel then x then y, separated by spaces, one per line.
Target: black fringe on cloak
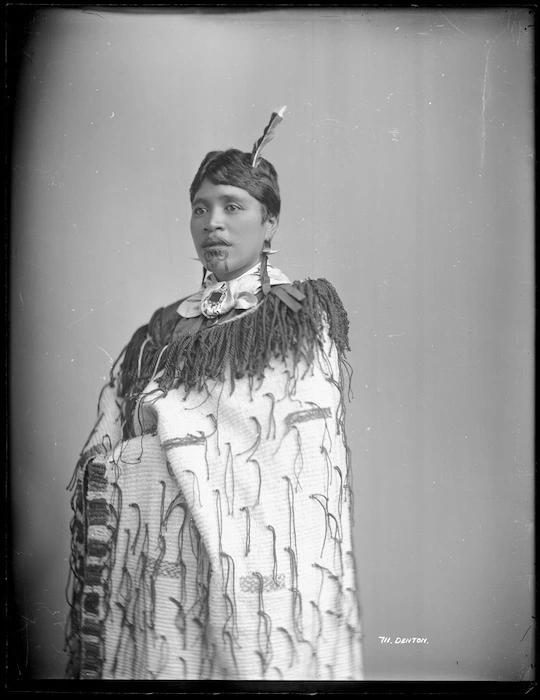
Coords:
pixel 243 346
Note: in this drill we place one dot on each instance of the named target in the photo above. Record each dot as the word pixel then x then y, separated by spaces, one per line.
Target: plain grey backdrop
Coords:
pixel 407 172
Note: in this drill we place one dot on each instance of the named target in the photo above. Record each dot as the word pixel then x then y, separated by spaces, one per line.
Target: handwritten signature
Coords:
pixel 403 640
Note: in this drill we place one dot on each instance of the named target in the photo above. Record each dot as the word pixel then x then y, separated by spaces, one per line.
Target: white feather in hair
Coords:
pixel 268 135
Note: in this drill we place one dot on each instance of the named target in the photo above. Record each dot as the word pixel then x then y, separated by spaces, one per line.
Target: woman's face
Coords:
pixel 228 229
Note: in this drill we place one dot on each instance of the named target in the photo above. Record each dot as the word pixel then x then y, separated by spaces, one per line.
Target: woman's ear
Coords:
pixel 271 227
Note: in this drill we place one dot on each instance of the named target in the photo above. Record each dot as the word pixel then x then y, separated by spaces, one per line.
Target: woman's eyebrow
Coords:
pixel 221 198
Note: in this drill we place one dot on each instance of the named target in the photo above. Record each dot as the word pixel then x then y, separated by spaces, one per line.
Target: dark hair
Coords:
pixel 233 167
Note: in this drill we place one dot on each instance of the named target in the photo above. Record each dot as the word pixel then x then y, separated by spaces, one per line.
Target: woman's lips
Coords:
pixel 215 244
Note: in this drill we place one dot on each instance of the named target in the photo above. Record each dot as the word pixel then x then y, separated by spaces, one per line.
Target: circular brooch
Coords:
pixel 214 303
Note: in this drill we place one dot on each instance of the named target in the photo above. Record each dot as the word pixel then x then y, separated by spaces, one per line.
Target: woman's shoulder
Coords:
pixel 322 302
pixel 320 287
pixel 157 330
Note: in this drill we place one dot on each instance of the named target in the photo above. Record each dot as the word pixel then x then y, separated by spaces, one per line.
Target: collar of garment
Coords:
pixel 216 298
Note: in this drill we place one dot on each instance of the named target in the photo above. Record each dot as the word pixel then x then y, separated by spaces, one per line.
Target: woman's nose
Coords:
pixel 214 220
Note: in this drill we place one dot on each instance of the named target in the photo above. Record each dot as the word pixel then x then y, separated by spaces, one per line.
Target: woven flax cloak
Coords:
pixel 211 536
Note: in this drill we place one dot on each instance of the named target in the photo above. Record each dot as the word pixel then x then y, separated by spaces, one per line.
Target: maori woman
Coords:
pixel 211 535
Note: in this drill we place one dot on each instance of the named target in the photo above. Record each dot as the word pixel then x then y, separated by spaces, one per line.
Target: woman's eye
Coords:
pixel 198 211
pixel 233 207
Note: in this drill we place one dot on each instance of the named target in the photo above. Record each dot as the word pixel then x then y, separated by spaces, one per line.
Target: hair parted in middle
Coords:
pixel 234 167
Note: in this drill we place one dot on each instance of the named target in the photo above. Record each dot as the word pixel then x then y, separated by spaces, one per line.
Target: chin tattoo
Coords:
pixel 213 257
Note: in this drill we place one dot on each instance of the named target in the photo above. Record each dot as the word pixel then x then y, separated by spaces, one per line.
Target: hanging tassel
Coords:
pixel 265 279
pixel 268 135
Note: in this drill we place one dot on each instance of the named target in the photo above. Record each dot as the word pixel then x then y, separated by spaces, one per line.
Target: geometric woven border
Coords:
pixel 92 541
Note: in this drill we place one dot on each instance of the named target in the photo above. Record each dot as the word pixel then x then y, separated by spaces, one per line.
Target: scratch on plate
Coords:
pixel 28 621
pixel 484 100
pixel 99 346
pixel 327 119
pixel 87 12
pixel 455 26
pixel 56 612
pixel 528 628
pixel 484 90
pixel 88 314
pixel 454 313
